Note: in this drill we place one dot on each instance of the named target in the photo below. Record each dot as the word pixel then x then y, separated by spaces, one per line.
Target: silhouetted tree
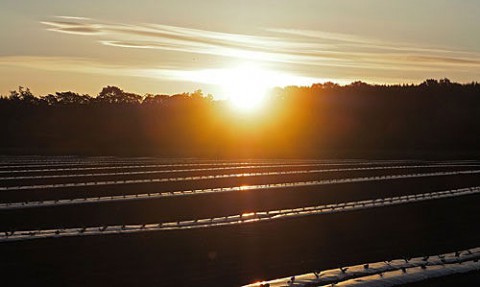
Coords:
pixel 114 95
pixel 23 95
pixel 50 100
pixel 155 99
pixel 66 98
pixel 72 98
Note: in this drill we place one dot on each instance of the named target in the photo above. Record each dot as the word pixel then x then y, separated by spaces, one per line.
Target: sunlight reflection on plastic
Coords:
pixel 244 188
pixel 248 214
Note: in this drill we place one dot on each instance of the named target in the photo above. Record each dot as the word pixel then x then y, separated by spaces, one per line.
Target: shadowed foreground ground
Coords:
pixel 231 256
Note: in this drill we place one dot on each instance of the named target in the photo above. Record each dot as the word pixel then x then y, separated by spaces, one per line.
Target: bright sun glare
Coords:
pixel 246 87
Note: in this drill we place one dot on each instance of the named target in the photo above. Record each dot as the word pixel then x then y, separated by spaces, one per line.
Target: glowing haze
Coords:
pixel 233 48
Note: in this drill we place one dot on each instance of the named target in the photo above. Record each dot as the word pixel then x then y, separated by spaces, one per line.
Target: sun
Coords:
pixel 246 87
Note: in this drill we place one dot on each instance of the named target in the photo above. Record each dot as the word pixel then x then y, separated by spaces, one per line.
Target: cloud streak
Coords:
pixel 273 45
pixel 70 27
pixel 87 66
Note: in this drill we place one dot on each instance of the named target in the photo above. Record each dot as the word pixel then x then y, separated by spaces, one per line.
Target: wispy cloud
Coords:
pixel 354 41
pixel 70 27
pixel 278 45
pixel 74 18
pixel 307 48
pixel 89 66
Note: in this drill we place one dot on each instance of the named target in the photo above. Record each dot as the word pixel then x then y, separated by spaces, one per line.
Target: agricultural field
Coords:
pixel 191 222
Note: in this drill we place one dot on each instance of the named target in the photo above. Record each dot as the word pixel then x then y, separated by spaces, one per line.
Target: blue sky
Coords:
pixel 176 46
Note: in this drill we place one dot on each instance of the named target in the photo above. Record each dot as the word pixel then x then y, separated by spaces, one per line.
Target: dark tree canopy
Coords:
pixel 114 95
pixel 437 118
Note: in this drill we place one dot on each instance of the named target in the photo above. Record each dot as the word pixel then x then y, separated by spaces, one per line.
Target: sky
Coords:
pixel 167 47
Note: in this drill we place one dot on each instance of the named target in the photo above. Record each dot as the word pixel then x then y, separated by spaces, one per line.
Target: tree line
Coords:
pixel 108 95
pixel 437 118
